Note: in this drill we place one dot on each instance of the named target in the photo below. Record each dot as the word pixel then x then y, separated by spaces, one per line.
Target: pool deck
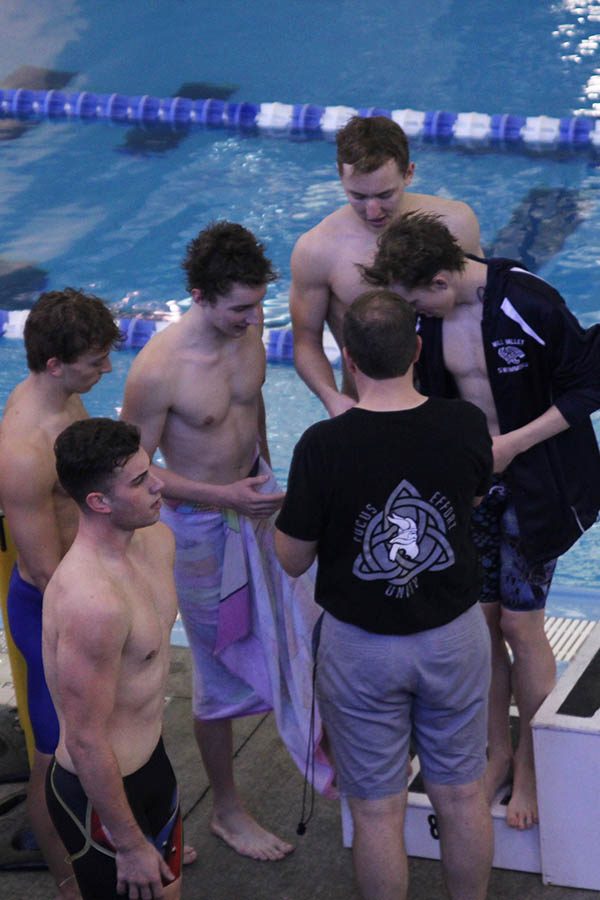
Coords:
pixel 319 869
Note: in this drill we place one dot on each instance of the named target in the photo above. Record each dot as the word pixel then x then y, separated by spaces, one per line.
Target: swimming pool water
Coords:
pixel 79 205
pixel 99 207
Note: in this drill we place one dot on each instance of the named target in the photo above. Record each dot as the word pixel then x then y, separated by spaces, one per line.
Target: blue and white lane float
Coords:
pixel 137 331
pixel 299 118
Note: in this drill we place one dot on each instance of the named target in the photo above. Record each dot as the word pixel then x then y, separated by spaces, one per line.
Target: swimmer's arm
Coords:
pixel 309 301
pixel 89 649
pixel 27 481
pixel 146 406
pixel 263 444
pixel 295 555
pixel 574 356
pixel 243 496
pixel 507 446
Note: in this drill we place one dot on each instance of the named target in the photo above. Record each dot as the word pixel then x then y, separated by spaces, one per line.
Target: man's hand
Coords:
pixel 504 450
pixel 339 403
pixel 244 497
pixel 140 872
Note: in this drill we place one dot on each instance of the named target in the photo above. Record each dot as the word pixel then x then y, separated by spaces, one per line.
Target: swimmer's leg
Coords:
pixel 172 891
pixel 523 590
pixel 230 821
pixel 487 534
pixel 53 849
pixel 533 677
pixel 500 754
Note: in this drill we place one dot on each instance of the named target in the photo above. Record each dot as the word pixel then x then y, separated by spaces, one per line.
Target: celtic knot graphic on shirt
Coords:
pixel 406 538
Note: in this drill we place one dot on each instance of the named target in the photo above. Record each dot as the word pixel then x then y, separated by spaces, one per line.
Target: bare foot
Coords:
pixel 497 775
pixel 241 832
pixel 189 855
pixel 522 810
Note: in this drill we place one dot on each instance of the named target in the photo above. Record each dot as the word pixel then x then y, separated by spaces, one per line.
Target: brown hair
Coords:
pixel 412 250
pixel 66 324
pixel 222 254
pixel 88 452
pixel 368 143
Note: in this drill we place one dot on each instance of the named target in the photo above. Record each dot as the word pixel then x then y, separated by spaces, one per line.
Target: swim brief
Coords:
pixel 154 800
pixel 507 576
pixel 24 604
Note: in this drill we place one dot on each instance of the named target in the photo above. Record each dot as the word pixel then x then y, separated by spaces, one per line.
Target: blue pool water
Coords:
pixel 105 208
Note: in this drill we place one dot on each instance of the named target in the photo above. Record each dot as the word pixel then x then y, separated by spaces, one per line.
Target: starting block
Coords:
pixel 566 736
pixel 517 850
pixel 566 740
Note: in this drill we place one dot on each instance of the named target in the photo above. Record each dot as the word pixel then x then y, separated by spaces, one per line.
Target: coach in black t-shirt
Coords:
pixel 382 496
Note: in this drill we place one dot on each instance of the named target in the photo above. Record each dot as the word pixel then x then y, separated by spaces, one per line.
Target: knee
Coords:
pixel 384 809
pixel 522 629
pixel 449 800
pixel 510 629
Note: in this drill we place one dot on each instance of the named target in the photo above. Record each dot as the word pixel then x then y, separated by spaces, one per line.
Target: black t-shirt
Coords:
pixel 388 498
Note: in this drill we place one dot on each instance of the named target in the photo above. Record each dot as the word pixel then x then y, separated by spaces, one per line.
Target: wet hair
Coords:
pixel 379 330
pixel 88 452
pixel 66 324
pixel 223 254
pixel 412 250
pixel 368 143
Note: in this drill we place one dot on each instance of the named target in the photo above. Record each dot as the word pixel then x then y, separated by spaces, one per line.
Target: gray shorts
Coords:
pixel 376 690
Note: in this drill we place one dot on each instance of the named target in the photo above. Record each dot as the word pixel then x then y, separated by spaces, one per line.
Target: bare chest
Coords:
pixel 149 595
pixel 463 347
pixel 205 395
pixel 464 358
pixel 346 281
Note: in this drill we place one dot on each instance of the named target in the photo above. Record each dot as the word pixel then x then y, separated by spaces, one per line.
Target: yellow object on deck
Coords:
pixel 8 556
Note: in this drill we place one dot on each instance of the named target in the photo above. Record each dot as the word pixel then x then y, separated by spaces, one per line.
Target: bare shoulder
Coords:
pixel 316 250
pixel 156 542
pixel 251 343
pixel 149 382
pixel 85 608
pixel 19 414
pixel 19 433
pixel 157 357
pixel 457 215
pixel 461 220
pixel 26 458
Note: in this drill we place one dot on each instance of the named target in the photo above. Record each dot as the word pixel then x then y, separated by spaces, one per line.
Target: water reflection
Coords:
pixel 579 42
